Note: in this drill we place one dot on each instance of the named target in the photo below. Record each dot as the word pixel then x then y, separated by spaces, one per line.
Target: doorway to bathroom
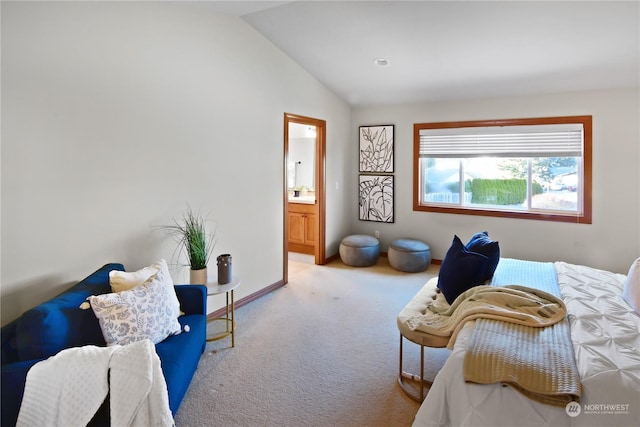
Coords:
pixel 304 190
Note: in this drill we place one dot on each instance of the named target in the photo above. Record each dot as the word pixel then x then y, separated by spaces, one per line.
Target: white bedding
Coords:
pixel 606 342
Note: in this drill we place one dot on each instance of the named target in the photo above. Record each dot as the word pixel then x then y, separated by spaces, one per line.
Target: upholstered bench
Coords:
pixel 409 255
pixel 418 305
pixel 359 250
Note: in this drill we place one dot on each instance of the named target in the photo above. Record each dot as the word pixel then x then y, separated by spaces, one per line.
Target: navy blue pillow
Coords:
pixel 461 269
pixel 482 244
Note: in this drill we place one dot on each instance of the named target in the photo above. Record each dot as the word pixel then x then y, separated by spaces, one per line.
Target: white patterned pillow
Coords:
pixel 146 311
pixel 127 280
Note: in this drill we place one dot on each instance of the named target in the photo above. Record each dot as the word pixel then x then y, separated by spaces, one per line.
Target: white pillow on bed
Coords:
pixel 631 289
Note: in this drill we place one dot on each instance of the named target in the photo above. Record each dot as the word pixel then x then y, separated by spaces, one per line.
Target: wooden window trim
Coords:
pixel 584 218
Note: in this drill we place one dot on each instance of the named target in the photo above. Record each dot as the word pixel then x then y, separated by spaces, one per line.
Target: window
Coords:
pixel 519 168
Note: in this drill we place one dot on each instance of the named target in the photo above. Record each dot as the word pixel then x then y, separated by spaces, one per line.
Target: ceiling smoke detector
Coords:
pixel 381 62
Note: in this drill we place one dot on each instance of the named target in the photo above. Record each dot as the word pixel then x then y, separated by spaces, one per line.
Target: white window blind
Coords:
pixel 556 140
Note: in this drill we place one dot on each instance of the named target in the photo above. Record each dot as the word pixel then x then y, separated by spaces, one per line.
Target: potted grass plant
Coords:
pixel 190 231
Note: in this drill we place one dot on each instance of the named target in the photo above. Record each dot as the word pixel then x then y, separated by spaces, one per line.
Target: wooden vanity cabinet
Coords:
pixel 302 227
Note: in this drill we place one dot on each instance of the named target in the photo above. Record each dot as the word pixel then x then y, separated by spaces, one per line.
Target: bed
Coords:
pixel 604 332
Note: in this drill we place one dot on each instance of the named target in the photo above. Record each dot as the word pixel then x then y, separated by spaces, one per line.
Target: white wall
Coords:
pixel 611 242
pixel 115 115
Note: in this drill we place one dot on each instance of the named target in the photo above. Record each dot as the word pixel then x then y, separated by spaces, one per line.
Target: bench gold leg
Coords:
pixel 415 391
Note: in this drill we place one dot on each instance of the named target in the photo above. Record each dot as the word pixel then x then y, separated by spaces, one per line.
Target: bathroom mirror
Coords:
pixel 301 157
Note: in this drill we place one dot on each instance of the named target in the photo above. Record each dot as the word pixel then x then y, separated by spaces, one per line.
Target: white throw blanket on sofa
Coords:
pixel 67 389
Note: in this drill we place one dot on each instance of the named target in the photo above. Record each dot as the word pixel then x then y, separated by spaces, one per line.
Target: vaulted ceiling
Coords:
pixel 447 50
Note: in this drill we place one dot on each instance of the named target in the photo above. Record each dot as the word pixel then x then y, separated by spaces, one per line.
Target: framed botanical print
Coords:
pixel 376 149
pixel 376 198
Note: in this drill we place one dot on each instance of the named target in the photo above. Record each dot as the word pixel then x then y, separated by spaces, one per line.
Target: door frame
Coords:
pixel 321 143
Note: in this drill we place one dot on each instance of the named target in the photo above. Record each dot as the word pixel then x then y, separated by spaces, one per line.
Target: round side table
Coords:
pixel 214 288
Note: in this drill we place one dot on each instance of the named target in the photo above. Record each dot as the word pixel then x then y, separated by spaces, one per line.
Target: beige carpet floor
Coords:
pixel 321 351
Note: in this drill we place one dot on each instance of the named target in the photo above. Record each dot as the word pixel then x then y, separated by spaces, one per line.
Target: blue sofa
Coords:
pixel 59 323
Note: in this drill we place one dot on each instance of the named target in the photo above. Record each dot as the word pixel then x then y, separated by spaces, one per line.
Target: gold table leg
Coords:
pixel 230 327
pixel 233 322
